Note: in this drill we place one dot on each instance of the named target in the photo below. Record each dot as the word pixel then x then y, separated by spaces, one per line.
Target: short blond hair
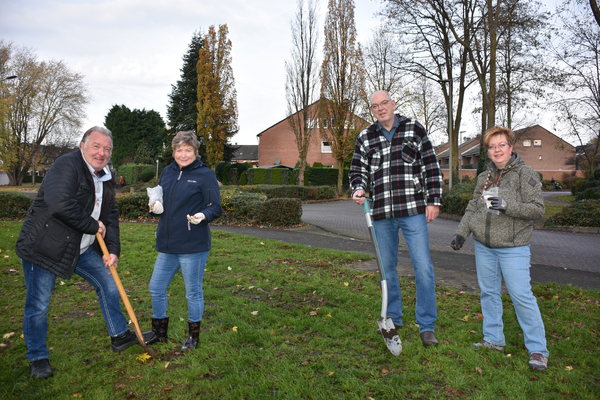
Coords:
pixel 496 131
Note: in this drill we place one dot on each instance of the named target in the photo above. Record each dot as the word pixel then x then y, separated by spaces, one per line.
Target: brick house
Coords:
pixel 542 150
pixel 246 153
pixel 277 143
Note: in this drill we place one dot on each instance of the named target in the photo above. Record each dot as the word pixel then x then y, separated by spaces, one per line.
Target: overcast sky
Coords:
pixel 130 51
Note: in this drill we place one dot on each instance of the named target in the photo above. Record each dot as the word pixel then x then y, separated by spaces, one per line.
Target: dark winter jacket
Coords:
pixel 521 188
pixel 188 190
pixel 61 214
pixel 402 175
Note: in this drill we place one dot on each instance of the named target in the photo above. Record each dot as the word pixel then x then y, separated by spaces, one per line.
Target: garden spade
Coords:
pixel 124 298
pixel 385 323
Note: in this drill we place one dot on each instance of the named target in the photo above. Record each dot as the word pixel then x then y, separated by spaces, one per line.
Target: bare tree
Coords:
pixel 427 106
pixel 302 79
pixel 342 83
pixel 579 58
pixel 522 77
pixel 46 107
pixel 430 50
pixel 380 55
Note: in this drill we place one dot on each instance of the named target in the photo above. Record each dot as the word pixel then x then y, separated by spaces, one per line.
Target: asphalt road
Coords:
pixel 560 257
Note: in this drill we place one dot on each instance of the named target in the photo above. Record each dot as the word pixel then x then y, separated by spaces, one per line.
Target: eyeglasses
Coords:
pixel 500 146
pixel 382 104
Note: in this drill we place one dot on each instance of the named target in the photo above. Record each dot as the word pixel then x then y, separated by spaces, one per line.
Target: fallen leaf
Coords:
pixel 235 329
pixel 144 357
pixel 329 315
pixel 262 243
pixel 167 364
pixel 330 373
pixel 8 335
pixel 385 371
pixel 346 284
pixel 465 318
pixel 167 389
pixel 61 283
pixel 569 368
pixel 77 395
pixel 120 387
pixel 312 313
pixel 509 355
pixel 479 370
pixel 228 268
pixel 254 313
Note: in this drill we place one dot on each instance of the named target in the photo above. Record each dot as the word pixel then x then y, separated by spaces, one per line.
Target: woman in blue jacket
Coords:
pixel 190 201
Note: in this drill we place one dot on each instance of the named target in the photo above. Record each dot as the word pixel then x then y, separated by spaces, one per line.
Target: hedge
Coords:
pixel 280 212
pixel 581 213
pixel 14 205
pixel 136 173
pixel 272 176
pixel 293 191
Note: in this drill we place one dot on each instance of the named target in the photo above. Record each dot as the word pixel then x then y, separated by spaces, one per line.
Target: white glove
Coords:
pixel 196 218
pixel 156 207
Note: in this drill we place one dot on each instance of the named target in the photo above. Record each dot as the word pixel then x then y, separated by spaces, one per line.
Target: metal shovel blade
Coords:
pixel 390 335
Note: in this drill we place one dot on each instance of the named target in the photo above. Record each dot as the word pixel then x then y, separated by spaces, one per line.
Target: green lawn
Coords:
pixel 289 322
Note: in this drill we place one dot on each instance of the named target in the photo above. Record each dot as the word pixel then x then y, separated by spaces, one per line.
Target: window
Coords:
pixel 527 143
pixel 537 143
pixel 312 123
pixel 325 147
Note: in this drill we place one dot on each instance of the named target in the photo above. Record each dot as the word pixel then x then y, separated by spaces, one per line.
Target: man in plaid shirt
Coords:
pixel 395 161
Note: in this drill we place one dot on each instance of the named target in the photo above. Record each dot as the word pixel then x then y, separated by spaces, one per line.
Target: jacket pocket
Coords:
pixel 409 153
pixel 53 239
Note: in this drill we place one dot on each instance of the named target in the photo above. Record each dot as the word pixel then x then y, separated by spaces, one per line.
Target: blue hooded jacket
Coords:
pixel 188 190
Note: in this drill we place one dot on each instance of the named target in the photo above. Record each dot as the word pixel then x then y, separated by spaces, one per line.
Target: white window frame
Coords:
pixel 326 147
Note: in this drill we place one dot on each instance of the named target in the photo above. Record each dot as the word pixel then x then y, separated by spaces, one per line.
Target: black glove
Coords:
pixel 457 242
pixel 497 203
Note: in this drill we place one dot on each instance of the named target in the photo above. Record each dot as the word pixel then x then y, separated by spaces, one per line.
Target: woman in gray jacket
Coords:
pixel 506 202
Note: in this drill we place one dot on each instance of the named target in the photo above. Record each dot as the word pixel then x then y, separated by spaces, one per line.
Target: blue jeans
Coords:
pixel 416 235
pixel 512 264
pixel 192 268
pixel 40 284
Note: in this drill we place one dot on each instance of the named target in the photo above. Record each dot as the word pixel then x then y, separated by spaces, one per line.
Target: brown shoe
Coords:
pixel 428 339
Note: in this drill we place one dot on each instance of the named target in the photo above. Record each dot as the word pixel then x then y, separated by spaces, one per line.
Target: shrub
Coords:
pixel 581 213
pixel 134 206
pixel 244 206
pixel 457 200
pixel 136 173
pixel 589 193
pixel 14 205
pixel 280 212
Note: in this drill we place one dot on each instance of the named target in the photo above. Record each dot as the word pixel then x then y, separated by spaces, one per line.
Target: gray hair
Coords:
pixel 185 138
pixel 99 129
pixel 379 92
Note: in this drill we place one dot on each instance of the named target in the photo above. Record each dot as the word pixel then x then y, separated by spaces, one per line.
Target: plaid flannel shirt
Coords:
pixel 403 176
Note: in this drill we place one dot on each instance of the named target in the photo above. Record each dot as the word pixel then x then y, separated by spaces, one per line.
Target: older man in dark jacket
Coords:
pixel 76 201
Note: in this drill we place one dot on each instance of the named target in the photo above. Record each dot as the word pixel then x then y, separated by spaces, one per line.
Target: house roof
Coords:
pixel 288 117
pixel 245 152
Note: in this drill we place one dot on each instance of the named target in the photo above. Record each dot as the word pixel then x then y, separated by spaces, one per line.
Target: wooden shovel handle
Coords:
pixel 124 298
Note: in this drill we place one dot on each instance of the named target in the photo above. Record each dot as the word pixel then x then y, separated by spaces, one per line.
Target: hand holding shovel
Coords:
pixel 124 298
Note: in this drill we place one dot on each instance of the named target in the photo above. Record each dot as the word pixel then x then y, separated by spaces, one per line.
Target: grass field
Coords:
pixel 285 321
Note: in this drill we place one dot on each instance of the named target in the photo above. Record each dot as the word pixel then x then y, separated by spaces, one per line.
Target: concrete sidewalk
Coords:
pixel 560 257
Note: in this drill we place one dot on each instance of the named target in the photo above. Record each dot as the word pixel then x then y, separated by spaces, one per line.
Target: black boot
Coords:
pixel 194 333
pixel 159 330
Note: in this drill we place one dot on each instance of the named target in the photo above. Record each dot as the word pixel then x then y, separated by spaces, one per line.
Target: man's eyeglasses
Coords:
pixel 382 104
pixel 500 146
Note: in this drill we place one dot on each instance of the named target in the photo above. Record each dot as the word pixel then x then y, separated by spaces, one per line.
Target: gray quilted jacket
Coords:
pixel 521 188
